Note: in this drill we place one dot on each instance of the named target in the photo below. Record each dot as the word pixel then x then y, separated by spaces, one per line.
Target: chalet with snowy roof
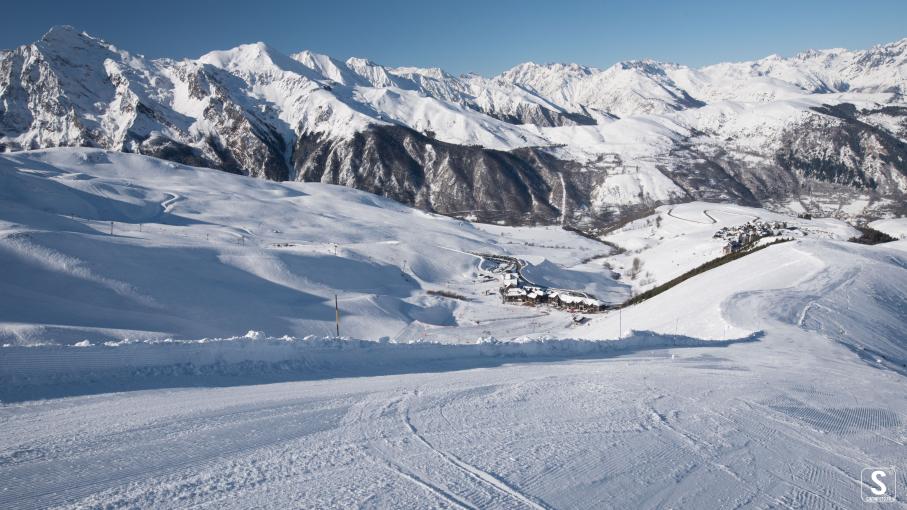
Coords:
pixel 515 294
pixel 579 303
pixel 536 295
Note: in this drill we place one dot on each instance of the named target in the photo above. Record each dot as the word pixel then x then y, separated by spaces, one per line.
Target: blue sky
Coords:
pixel 486 36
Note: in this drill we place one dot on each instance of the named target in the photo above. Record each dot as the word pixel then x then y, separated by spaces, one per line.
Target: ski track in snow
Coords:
pixel 471 470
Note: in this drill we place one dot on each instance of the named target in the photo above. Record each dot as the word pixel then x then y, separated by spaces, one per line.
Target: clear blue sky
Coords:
pixel 485 36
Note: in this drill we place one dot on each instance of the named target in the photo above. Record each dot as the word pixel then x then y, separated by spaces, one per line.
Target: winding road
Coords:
pixel 705 212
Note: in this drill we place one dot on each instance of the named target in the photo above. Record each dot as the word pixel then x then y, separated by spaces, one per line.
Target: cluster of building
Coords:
pixel 740 236
pixel 515 290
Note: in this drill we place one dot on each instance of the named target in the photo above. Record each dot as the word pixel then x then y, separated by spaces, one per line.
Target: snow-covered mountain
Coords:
pixel 823 131
pixel 625 89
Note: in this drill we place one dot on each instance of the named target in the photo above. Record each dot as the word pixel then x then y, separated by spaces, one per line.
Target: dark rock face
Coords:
pixel 171 150
pixel 247 140
pixel 540 116
pixel 514 187
pixel 838 152
pixel 709 176
pixel 841 148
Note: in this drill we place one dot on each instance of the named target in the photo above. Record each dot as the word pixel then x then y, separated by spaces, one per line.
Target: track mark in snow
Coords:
pixel 803 497
pixel 841 420
pixel 428 486
pixel 374 450
pixel 68 479
pixel 473 471
pixel 826 486
pixel 167 205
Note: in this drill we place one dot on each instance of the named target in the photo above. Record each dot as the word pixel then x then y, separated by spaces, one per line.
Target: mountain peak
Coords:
pixel 66 36
pixel 531 68
pixel 430 72
pixel 67 44
pixel 256 55
pixel 647 66
pixel 359 61
pixel 895 47
pixel 60 32
pixel 327 66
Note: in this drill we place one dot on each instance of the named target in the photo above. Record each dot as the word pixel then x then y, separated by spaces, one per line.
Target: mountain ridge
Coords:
pixel 567 143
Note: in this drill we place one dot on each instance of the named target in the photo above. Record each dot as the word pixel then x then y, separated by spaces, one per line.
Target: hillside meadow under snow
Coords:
pixel 199 253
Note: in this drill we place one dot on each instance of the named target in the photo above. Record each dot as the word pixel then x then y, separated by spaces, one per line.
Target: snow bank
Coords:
pixel 23 369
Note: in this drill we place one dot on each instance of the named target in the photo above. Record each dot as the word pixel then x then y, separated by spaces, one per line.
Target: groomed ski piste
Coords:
pixel 189 358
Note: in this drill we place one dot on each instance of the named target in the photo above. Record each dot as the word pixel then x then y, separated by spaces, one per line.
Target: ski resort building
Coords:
pixel 515 294
pixel 740 236
pixel 509 280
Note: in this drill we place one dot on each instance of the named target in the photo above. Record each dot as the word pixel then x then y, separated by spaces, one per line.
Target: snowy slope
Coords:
pixel 625 89
pixel 896 227
pixel 788 418
pixel 198 253
pixel 167 341
pixel 679 238
pixel 181 234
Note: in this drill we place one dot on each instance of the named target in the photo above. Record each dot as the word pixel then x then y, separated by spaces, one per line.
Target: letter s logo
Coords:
pixel 882 488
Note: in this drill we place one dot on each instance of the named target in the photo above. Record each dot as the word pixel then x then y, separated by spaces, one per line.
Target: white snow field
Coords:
pixel 128 379
pixel 200 253
pixel 679 237
pixel 895 227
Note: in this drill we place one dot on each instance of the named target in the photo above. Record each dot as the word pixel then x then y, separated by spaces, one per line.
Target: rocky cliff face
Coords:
pixel 823 131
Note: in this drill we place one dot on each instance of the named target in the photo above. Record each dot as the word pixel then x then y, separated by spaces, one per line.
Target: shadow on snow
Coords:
pixel 30 373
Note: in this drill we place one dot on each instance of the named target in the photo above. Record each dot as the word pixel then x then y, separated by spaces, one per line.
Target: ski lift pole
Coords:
pixel 337 315
pixel 620 323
